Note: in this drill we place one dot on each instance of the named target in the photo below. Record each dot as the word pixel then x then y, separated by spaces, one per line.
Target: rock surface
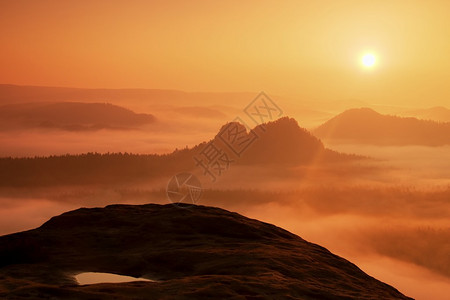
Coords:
pixel 193 252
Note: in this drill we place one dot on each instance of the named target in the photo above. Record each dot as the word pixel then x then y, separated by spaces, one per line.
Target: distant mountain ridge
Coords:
pixel 71 116
pixel 438 114
pixel 135 97
pixel 279 143
pixel 364 125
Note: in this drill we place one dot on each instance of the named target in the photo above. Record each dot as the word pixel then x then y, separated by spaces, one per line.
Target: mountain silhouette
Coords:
pixel 364 125
pixel 10 94
pixel 200 112
pixel 72 116
pixel 280 142
pixel 192 252
pixel 438 113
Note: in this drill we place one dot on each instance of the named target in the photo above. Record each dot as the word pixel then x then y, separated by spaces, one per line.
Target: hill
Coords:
pixel 72 116
pixel 438 114
pixel 134 98
pixel 366 126
pixel 213 254
pixel 277 143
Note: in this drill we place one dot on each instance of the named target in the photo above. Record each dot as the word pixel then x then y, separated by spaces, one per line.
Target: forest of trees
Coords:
pixel 90 168
pixel 277 143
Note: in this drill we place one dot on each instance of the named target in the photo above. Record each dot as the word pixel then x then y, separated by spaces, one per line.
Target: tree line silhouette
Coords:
pixel 90 168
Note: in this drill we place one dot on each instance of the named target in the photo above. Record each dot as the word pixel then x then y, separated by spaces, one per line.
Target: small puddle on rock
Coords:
pixel 94 277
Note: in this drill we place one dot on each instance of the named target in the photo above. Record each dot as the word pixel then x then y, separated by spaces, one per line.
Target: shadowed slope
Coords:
pixel 282 142
pixel 194 253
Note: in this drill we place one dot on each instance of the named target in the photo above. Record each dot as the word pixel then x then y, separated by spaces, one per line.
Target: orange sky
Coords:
pixel 305 48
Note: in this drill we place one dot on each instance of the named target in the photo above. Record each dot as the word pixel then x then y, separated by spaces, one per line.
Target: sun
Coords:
pixel 368 60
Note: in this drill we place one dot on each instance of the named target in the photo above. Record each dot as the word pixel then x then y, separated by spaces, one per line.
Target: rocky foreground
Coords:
pixel 193 252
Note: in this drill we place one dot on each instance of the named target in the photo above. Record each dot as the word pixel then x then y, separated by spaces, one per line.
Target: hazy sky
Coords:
pixel 306 48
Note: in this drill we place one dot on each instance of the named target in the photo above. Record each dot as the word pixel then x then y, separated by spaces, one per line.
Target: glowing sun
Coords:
pixel 368 60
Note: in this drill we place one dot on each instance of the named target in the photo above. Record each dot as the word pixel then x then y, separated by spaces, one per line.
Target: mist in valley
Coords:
pixel 371 212
pixel 384 207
